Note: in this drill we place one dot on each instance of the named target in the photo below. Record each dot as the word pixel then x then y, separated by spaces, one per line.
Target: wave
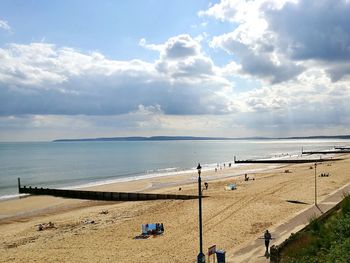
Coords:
pixel 96 179
pixel 171 171
pixel 13 196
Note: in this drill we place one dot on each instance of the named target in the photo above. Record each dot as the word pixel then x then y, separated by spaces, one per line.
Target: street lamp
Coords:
pixel 201 256
pixel 315 185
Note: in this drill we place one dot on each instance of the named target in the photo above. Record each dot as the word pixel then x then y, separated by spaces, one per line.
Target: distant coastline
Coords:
pixel 194 138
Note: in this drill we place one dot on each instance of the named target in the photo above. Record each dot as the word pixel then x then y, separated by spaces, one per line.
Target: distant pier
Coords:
pixel 98 195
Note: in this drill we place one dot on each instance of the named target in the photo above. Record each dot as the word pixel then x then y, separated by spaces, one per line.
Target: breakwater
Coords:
pixel 99 195
pixel 288 160
pixel 327 152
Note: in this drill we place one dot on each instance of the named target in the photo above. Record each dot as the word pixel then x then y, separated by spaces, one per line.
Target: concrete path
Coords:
pixel 255 251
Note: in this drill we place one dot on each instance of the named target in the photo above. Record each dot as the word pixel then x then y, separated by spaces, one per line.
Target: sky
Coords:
pixel 238 68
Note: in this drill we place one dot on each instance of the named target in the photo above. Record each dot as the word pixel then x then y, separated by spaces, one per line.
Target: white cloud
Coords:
pixel 310 104
pixel 143 43
pixel 275 40
pixel 251 42
pixel 49 88
pixel 4 25
pixel 242 11
pixel 177 47
pixel 41 78
pixel 181 46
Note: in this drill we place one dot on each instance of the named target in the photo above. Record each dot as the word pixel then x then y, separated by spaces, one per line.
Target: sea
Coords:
pixel 80 164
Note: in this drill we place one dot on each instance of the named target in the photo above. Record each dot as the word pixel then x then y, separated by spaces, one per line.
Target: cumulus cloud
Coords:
pixel 242 10
pixel 181 46
pixel 321 33
pixel 259 62
pixel 321 30
pixel 311 104
pixel 182 57
pixel 41 78
pixel 49 88
pixel 4 25
pixel 278 40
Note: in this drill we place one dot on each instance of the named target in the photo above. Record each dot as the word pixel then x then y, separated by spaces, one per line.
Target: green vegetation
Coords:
pixel 327 241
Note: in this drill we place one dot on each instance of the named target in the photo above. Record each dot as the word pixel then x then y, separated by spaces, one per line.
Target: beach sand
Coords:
pixel 231 219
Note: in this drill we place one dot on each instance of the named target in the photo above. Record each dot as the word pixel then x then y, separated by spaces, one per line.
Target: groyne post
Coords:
pixel 19 185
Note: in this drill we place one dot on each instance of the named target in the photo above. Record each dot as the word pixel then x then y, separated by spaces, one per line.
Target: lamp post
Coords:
pixel 315 185
pixel 201 256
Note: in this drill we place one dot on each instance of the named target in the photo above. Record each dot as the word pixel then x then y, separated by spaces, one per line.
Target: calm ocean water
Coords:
pixel 70 164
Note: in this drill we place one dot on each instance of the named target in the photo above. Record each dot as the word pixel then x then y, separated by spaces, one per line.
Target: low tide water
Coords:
pixel 73 164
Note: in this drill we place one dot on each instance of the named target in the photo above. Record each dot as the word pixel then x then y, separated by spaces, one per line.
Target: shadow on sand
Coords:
pixel 296 202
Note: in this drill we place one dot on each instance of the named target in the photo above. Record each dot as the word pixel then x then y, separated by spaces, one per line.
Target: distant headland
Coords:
pixel 194 138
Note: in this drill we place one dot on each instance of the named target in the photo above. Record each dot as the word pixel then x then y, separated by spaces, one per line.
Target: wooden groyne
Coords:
pixel 342 147
pixel 327 152
pixel 98 195
pixel 288 160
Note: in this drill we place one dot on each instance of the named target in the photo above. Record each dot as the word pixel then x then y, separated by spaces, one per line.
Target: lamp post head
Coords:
pixel 199 167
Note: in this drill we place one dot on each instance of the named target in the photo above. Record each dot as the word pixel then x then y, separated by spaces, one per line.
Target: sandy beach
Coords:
pixel 230 218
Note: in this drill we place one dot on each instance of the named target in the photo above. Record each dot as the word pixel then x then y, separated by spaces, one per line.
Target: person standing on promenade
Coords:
pixel 267 238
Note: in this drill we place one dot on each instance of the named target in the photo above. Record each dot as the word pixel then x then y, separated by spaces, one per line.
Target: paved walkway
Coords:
pixel 255 251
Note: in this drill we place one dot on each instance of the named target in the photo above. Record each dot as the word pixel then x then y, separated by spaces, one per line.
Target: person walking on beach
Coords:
pixel 267 238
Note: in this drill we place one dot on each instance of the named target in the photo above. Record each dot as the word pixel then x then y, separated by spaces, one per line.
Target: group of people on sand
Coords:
pixel 246 177
pixel 206 185
pixel 44 226
pixel 223 166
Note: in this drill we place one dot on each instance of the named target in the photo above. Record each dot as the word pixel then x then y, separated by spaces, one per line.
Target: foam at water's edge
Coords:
pixel 148 175
pixel 173 171
pixel 14 196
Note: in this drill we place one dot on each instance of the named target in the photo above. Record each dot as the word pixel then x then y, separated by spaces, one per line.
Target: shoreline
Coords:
pixel 133 177
pixel 231 219
pixel 158 174
pixel 159 184
pixel 9 190
pixel 156 182
pixel 143 176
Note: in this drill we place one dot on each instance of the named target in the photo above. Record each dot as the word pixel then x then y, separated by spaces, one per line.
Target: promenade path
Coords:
pixel 254 252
